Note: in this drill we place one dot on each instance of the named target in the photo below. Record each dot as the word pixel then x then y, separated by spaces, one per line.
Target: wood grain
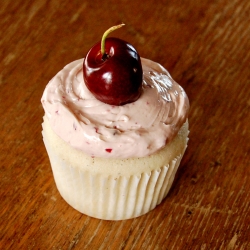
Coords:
pixel 206 47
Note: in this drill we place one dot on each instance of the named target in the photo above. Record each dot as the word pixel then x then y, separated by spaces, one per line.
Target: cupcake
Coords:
pixel 109 161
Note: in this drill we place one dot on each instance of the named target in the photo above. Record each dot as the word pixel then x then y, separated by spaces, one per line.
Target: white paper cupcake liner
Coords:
pixel 109 198
pixel 106 196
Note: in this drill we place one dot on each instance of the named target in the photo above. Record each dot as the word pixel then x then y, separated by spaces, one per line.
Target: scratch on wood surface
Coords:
pixel 232 243
pixel 9 58
pixel 203 246
pixel 143 228
pixel 53 198
pixel 149 237
pixel 78 235
pixel 95 234
pixel 208 208
pixel 33 10
pixel 78 12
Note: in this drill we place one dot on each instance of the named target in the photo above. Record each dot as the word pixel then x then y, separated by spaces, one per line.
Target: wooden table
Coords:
pixel 206 47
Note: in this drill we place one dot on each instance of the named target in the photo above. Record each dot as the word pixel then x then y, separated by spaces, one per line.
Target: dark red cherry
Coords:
pixel 113 77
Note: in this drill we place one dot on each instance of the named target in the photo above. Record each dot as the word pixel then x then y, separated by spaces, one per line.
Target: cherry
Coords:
pixel 112 71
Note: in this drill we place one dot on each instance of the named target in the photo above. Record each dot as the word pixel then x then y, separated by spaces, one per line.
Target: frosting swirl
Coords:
pixel 136 129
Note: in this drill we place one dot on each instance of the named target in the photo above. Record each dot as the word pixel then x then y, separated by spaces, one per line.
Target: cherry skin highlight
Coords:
pixel 114 77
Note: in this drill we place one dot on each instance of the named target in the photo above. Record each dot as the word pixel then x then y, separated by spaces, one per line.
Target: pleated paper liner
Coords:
pixel 109 197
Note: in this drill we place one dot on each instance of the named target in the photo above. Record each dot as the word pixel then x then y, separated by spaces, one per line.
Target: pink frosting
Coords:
pixel 134 130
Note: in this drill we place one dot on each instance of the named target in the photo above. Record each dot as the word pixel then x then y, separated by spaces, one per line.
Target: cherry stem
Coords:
pixel 106 33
